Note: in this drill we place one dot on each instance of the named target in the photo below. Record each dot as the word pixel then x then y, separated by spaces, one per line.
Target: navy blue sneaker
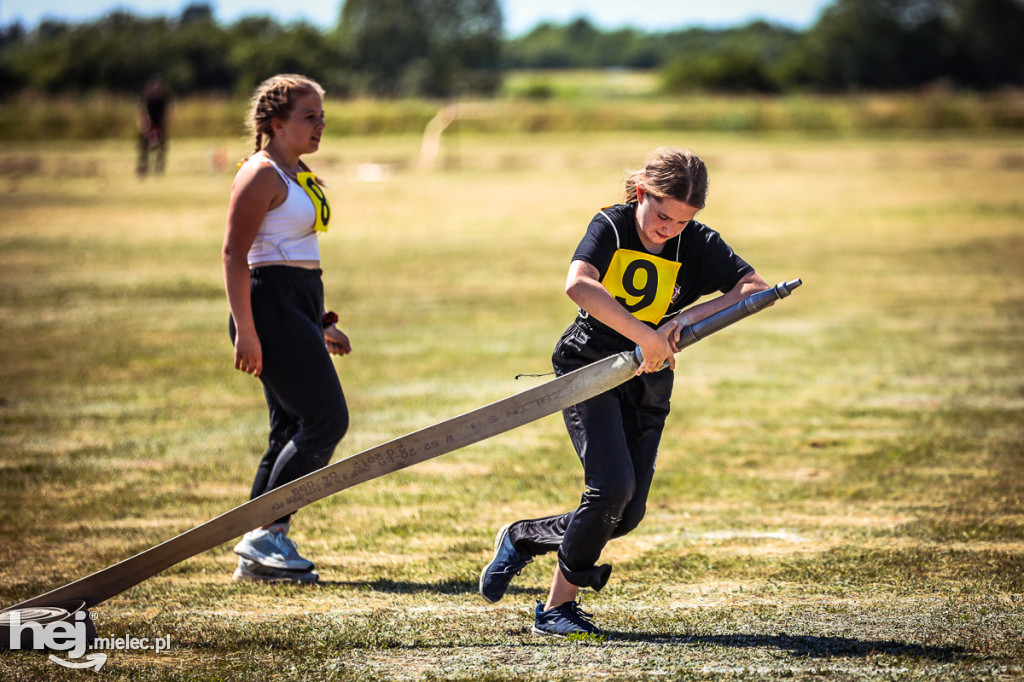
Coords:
pixel 566 619
pixel 506 564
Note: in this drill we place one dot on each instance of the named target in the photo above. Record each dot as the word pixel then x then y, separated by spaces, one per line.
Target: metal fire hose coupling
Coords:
pixel 693 333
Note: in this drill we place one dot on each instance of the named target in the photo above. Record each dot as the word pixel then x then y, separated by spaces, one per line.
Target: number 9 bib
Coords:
pixel 642 283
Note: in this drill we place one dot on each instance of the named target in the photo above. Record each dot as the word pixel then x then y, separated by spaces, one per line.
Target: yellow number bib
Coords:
pixel 323 211
pixel 642 283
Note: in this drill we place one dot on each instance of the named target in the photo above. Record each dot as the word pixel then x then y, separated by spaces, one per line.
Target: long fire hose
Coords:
pixel 418 446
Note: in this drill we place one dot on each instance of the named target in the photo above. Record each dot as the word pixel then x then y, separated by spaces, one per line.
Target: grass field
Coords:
pixel 839 493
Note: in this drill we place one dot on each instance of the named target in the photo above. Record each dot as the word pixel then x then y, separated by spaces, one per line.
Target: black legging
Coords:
pixel 308 413
pixel 616 436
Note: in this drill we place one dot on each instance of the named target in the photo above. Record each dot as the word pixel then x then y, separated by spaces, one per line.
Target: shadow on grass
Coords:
pixel 811 647
pixel 405 587
pixel 797 645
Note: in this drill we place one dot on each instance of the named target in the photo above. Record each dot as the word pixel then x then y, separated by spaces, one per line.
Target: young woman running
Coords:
pixel 638 267
pixel 279 326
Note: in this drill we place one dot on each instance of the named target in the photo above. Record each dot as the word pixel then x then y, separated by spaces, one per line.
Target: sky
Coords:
pixel 520 15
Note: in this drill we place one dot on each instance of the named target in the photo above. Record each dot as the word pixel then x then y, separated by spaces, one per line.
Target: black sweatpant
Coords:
pixel 616 436
pixel 308 412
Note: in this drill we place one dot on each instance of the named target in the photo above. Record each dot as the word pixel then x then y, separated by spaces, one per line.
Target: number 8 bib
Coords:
pixel 323 210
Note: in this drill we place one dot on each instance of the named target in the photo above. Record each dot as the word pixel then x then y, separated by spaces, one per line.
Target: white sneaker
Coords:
pixel 251 571
pixel 272 548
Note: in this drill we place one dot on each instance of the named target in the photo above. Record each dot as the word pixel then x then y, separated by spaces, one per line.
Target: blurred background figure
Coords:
pixel 152 127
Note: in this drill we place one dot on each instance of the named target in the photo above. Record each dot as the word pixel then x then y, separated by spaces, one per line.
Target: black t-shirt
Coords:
pixel 156 108
pixel 654 287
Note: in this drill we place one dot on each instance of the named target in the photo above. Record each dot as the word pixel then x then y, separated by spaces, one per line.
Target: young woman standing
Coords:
pixel 279 326
pixel 638 266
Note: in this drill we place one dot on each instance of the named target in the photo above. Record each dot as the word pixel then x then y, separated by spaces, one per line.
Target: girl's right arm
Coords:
pixel 255 189
pixel 583 286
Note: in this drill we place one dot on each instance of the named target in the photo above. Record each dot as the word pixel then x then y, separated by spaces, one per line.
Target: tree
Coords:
pixel 877 44
pixel 465 46
pixel 989 35
pixel 730 70
pixel 381 39
pixel 427 47
pixel 198 12
pixel 894 44
pixel 743 59
pixel 12 39
pixel 260 48
pixel 545 47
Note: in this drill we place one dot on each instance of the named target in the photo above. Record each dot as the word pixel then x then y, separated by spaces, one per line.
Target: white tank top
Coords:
pixel 287 230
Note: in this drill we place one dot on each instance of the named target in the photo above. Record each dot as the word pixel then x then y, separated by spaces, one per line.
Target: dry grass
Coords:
pixel 541 102
pixel 838 492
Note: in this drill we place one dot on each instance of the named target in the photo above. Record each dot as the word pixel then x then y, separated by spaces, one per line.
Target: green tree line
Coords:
pixel 445 48
pixel 434 48
pixel 854 45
